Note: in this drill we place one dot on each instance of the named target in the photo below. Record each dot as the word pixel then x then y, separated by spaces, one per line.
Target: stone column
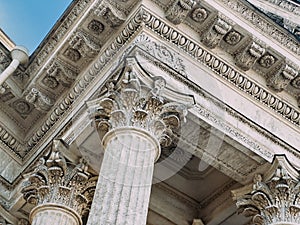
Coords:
pixel 61 192
pixel 133 120
pixel 272 199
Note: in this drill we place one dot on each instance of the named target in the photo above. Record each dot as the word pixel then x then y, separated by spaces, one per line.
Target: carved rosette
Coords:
pixel 179 10
pixel 273 200
pixel 246 58
pixel 133 104
pixel 56 183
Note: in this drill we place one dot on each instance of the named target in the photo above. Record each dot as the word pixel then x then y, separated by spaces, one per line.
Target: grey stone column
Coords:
pixel 272 198
pixel 133 121
pixel 124 185
pixel 61 192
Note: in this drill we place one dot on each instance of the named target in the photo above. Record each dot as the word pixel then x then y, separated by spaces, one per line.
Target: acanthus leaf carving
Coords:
pixel 273 199
pixel 179 10
pixel 40 100
pixel 212 37
pixel 55 181
pixel 246 58
pixel 133 104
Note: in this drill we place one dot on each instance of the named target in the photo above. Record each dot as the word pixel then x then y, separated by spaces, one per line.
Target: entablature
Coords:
pixel 75 63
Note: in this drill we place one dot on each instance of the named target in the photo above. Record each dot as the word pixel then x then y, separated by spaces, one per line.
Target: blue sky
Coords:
pixel 27 22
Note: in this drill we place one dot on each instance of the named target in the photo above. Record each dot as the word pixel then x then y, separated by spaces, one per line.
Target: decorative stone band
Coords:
pixel 54 214
pixel 274 200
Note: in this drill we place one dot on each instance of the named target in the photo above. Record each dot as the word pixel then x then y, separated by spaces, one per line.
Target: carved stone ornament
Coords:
pixel 279 80
pixel 274 198
pixel 179 10
pixel 96 27
pixel 40 101
pixel 215 33
pixel 246 58
pixel 60 71
pixel 233 37
pixel 54 181
pixel 85 44
pixel 267 61
pixel 296 82
pixel 111 15
pixel 199 14
pixel 133 104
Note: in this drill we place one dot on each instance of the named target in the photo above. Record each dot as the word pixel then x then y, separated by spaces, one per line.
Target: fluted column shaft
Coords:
pixel 49 214
pixel 123 189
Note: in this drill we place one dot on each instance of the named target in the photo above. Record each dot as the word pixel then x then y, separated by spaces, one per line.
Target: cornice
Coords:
pixel 185 44
pixel 222 69
pixel 264 25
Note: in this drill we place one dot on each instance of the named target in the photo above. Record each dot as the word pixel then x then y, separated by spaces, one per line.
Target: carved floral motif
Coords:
pixel 233 38
pixel 296 82
pixel 96 27
pixel 57 182
pixel 199 14
pixel 267 61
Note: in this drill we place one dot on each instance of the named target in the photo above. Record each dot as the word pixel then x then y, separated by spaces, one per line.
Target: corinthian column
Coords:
pixel 61 192
pixel 272 199
pixel 133 120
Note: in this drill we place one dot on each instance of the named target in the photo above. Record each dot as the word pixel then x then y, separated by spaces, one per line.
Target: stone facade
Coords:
pixel 176 105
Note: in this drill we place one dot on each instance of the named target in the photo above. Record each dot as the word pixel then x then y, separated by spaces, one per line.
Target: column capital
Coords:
pixel 272 198
pixel 130 102
pixel 54 181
